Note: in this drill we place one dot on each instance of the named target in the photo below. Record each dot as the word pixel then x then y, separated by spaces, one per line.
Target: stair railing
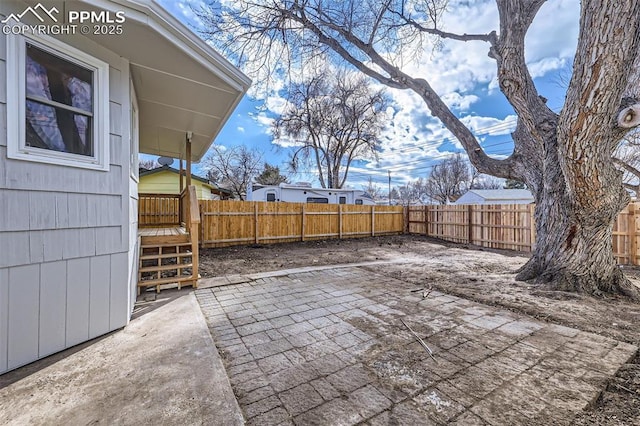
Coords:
pixel 190 218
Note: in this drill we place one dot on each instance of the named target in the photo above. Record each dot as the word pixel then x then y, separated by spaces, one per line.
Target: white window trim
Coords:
pixel 16 100
pixel 134 134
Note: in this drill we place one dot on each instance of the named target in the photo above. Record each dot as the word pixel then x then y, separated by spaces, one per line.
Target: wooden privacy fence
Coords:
pixel 509 227
pixel 158 209
pixel 226 223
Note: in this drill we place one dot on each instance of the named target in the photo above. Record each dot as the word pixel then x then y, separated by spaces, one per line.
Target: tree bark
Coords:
pixel 572 252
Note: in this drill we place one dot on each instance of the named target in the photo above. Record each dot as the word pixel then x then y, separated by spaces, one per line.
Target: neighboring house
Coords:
pixel 304 193
pixel 76 110
pixel 496 196
pixel 166 180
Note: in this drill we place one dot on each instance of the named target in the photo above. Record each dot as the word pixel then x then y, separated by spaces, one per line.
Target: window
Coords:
pixel 271 196
pixel 318 200
pixel 343 200
pixel 60 104
pixel 359 201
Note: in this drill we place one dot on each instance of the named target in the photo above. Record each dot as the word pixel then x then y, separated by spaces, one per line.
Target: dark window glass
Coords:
pixel 59 105
pixel 318 200
pixel 271 196
pixel 343 200
pixel 359 202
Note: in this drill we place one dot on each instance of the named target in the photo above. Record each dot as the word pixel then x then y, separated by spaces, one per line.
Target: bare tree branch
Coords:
pixel 233 168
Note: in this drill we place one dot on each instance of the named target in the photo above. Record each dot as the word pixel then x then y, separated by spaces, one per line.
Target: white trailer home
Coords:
pixel 77 104
pixel 304 193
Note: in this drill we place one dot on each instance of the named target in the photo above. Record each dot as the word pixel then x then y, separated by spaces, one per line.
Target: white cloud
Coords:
pixel 490 126
pixel 545 65
pixel 459 102
pixel 285 142
pixel 240 129
pixel 276 104
pixel 263 121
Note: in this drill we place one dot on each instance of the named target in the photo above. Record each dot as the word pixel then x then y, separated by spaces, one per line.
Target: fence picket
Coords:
pixel 509 227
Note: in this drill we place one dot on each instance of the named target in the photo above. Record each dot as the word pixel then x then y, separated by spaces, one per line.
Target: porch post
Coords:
pixel 188 150
pixel 181 176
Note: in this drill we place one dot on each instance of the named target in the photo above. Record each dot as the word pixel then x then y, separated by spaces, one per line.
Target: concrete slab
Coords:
pixel 326 346
pixel 161 369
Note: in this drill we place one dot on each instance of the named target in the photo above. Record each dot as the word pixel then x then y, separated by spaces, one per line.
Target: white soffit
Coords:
pixel 182 84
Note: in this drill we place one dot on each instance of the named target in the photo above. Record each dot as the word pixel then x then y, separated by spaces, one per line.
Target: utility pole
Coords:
pixel 389 196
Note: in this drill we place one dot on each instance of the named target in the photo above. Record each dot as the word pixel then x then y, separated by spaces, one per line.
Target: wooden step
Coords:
pixel 165 240
pixel 181 244
pixel 165 267
pixel 165 255
pixel 186 280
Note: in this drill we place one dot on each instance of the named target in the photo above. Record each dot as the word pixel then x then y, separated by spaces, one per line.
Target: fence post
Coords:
pixel 340 221
pixel 255 216
pixel 470 223
pixel 373 221
pixel 631 231
pixel 405 217
pixel 426 220
pixel 201 226
pixel 303 223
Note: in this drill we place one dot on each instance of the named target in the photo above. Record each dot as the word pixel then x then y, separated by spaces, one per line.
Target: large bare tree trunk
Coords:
pixel 573 248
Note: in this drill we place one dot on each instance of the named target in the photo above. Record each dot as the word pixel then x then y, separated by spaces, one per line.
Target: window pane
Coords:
pixel 271 196
pixel 343 200
pixel 56 79
pixel 42 127
pixel 318 200
pixel 57 129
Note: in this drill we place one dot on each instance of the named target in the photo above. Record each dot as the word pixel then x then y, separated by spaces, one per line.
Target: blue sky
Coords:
pixel 462 74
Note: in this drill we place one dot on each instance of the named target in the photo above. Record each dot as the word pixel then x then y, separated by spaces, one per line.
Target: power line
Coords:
pixel 440 156
pixel 480 131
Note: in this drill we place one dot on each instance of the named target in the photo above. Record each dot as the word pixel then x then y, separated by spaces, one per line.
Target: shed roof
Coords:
pixel 503 194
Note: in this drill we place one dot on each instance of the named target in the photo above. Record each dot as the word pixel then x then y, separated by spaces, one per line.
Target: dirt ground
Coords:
pixel 476 274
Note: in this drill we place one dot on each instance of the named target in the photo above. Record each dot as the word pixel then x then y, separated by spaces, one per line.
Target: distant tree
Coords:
pixel 373 189
pixel 148 164
pixel 449 179
pixel 337 118
pixel 514 184
pixel 482 181
pixel 412 192
pixel 406 194
pixel 270 175
pixel 232 168
pixel 394 195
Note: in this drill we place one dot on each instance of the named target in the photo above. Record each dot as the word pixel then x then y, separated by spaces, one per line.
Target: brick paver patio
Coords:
pixel 329 347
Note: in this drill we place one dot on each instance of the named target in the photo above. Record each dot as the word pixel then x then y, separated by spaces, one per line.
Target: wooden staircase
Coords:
pixel 166 260
pixel 170 255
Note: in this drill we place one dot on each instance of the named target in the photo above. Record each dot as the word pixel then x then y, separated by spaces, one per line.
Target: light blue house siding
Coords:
pixel 68 221
pixel 66 255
